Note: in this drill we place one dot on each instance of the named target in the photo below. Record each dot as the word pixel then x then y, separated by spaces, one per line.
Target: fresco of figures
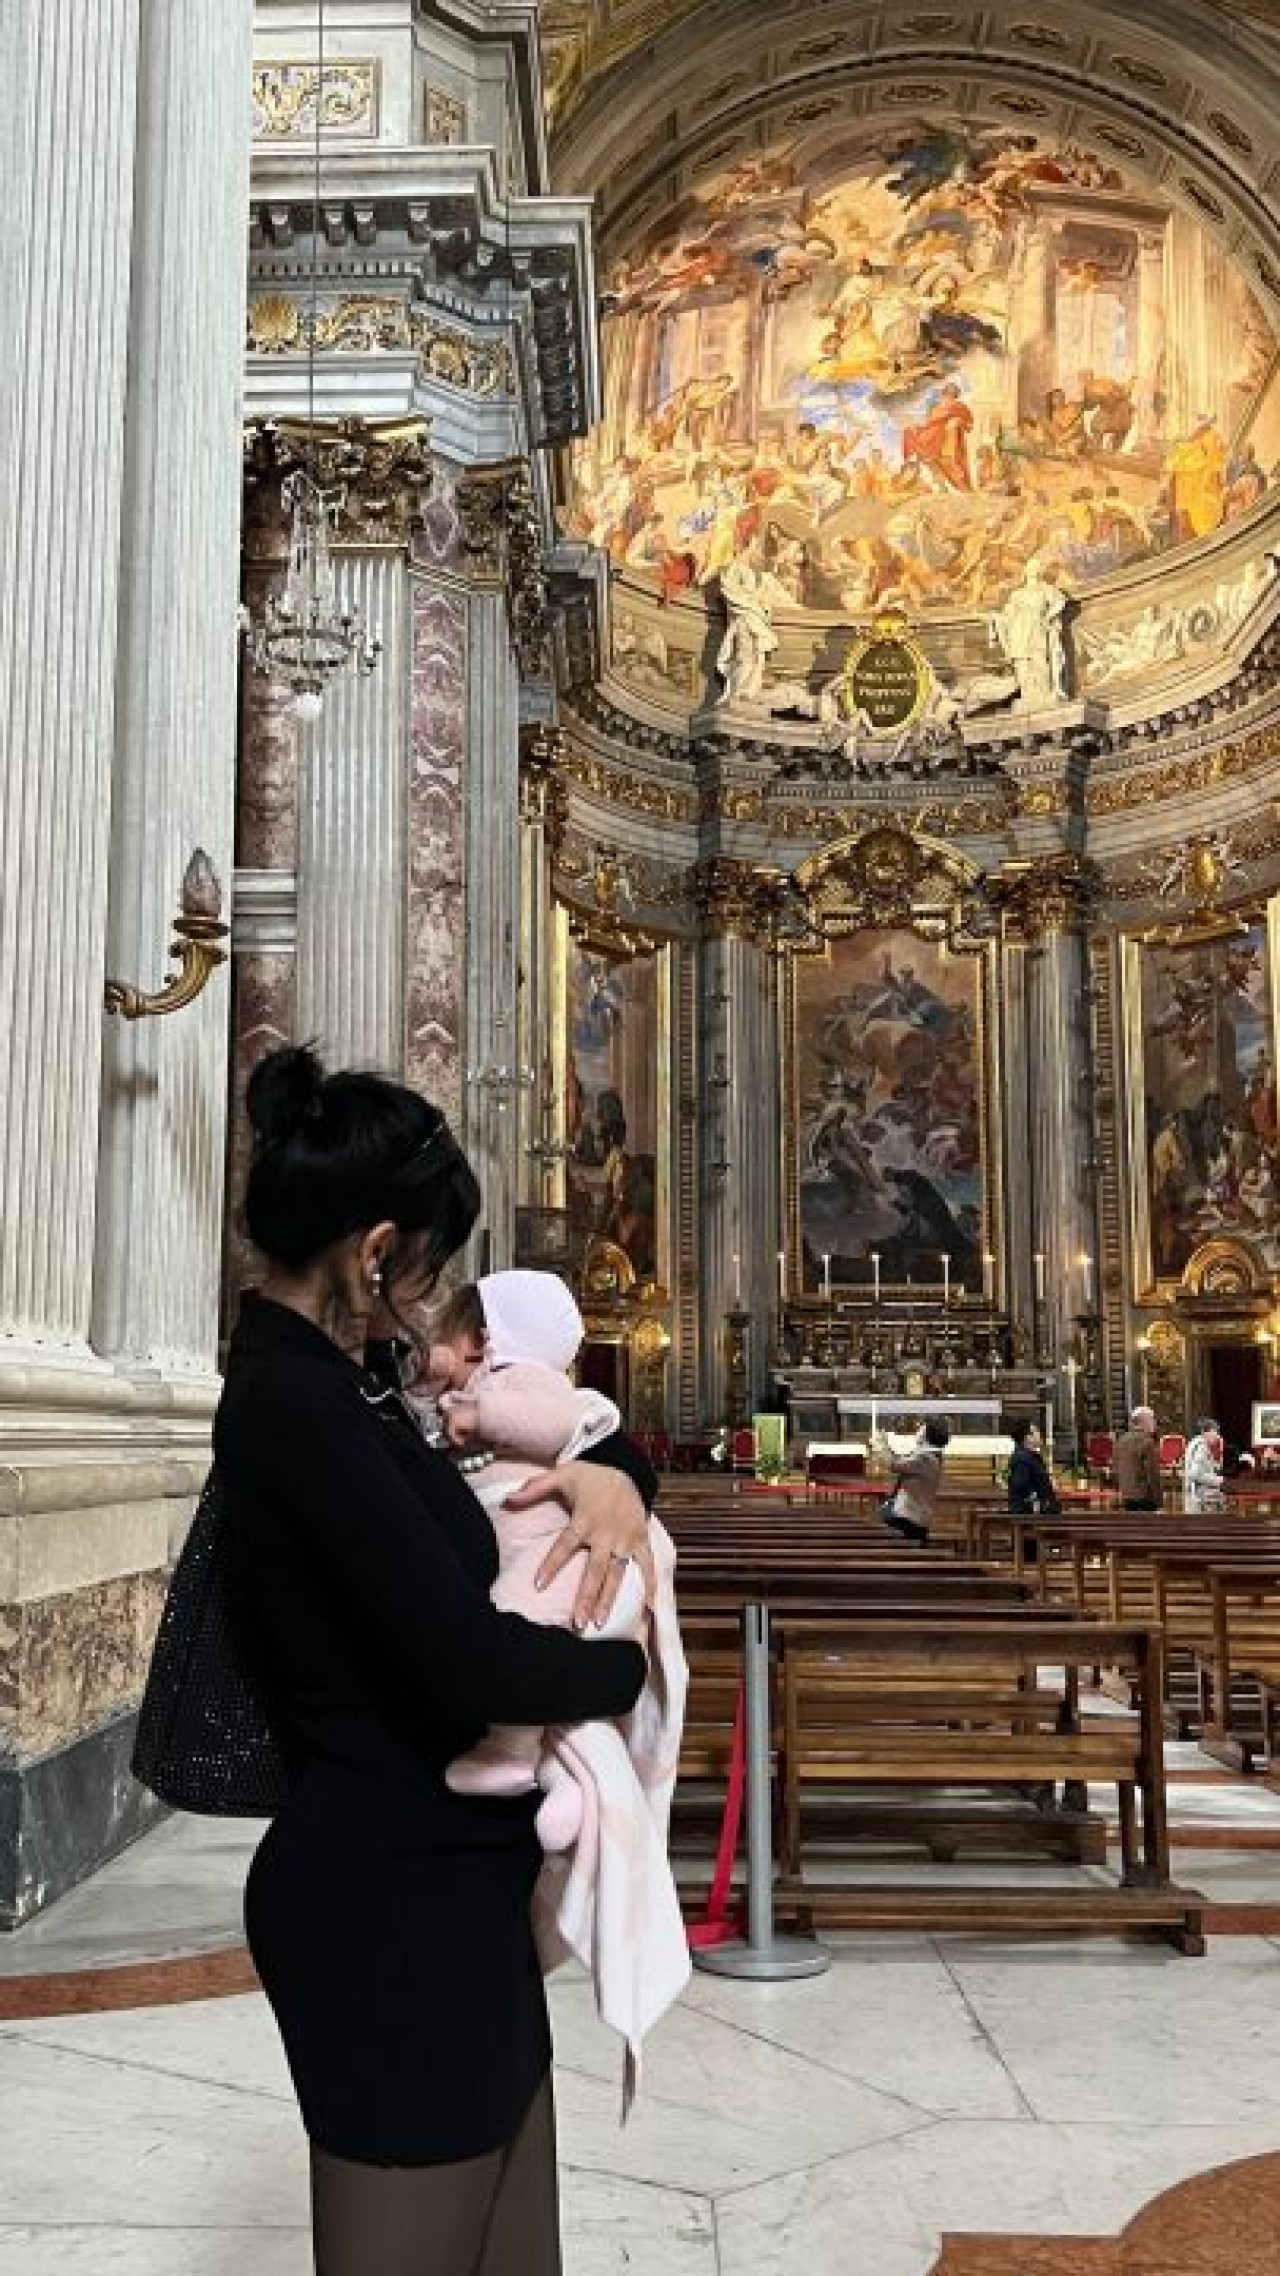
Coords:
pixel 897 368
pixel 888 1115
pixel 611 1105
pixel 1208 1049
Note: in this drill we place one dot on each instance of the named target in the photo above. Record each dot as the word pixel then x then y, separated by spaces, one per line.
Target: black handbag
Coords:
pixel 207 1740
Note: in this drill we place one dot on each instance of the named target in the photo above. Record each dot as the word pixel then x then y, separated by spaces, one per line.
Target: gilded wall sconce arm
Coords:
pixel 198 930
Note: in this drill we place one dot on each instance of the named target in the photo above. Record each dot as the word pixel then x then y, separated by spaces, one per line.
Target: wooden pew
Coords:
pixel 878 1713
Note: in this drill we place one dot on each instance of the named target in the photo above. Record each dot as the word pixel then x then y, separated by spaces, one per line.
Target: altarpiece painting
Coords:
pixel 612 1107
pixel 888 1114
pixel 1204 1137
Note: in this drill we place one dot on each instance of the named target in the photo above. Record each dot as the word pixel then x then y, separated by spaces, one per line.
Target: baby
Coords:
pixel 496 1374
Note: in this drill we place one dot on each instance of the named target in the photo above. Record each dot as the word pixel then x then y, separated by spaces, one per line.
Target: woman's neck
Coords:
pixel 315 1298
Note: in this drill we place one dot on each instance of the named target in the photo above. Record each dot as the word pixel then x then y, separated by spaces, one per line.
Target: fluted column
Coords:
pixel 352 822
pixel 161 1140
pixel 492 1112
pixel 740 1124
pixel 66 167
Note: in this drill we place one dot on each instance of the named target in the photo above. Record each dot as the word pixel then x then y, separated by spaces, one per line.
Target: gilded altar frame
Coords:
pixel 1146 1284
pixel 885 882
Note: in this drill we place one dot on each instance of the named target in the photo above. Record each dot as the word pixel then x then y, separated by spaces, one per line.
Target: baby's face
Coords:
pixel 451 1363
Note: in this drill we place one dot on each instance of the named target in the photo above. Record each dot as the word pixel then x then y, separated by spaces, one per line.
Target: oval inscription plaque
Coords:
pixel 886 679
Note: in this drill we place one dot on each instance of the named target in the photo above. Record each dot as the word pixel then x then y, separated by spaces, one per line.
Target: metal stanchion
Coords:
pixel 765 1957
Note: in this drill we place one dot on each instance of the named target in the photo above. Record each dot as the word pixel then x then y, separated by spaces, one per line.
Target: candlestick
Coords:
pixel 988 1277
pixel 826 1278
pixel 1039 1265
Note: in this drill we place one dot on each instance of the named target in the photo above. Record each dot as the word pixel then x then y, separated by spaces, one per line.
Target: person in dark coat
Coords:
pixel 1030 1485
pixel 1031 1489
pixel 388 1918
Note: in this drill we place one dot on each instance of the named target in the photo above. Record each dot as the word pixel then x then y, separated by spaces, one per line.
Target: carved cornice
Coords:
pixel 737 897
pixel 434 212
pixel 638 794
pixel 502 543
pixel 1194 770
pixel 376 323
pixel 1032 898
pixel 885 877
pixel 381 466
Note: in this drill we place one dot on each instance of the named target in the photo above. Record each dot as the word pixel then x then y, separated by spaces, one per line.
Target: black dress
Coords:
pixel 387 1917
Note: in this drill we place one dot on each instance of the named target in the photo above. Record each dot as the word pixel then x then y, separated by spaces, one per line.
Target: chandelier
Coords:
pixel 305 637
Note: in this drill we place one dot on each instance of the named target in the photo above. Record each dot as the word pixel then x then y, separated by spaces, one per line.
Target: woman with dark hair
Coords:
pixel 387 1917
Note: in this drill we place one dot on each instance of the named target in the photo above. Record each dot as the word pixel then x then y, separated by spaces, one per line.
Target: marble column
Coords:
pixel 119 486
pixel 162 1129
pixel 1062 1209
pixel 740 1167
pixel 352 825
pixel 67 170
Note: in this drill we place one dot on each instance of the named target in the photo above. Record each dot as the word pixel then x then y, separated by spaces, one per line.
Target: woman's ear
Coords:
pixel 375 1247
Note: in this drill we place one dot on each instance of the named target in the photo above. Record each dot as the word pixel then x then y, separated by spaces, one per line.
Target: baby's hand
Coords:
pixel 461 1419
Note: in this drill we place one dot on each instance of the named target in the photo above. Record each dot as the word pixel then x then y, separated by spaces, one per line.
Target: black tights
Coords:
pixel 496 2215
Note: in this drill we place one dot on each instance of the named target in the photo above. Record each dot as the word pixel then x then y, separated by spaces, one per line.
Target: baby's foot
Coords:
pixel 559 1820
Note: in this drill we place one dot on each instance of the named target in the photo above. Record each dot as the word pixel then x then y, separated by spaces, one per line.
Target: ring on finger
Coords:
pixel 619 1557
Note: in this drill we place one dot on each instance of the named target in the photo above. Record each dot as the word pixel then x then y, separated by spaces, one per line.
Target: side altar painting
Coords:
pixel 1208 1092
pixel 888 1115
pixel 611 1110
pixel 896 366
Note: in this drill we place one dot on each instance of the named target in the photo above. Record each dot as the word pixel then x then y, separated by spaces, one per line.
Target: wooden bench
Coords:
pixel 939 1703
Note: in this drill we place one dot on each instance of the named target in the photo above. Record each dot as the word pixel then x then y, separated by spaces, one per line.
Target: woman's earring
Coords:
pixel 375 1279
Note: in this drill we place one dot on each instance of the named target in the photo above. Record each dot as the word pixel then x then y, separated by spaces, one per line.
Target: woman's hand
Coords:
pixel 606 1518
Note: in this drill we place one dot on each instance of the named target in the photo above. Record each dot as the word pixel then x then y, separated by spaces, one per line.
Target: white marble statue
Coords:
pixel 750 594
pixel 1029 630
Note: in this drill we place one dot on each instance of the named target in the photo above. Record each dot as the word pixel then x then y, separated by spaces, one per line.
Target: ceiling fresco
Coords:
pixel 897 361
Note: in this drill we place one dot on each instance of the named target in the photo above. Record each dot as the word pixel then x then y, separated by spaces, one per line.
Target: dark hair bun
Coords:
pixel 284 1092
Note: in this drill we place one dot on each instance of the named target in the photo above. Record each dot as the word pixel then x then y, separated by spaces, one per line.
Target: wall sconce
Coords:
pixel 197 931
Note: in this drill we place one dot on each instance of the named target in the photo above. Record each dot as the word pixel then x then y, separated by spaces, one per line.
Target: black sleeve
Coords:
pixel 621 1453
pixel 321 1461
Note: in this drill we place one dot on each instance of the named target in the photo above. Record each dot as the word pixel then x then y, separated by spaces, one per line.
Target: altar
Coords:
pixel 964 1414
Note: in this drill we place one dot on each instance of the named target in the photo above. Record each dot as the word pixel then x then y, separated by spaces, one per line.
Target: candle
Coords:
pixel 1086 1278
pixel 988 1277
pixel 782 1276
pixel 875 1275
pixel 1039 1264
pixel 826 1278
pixel 737 1279
pixel 946 1282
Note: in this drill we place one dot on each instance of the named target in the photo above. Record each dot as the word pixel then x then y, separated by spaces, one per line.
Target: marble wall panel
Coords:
pixel 435 917
pixel 74 1661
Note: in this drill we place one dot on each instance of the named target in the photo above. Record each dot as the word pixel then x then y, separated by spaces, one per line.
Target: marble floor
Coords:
pixel 836 2127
